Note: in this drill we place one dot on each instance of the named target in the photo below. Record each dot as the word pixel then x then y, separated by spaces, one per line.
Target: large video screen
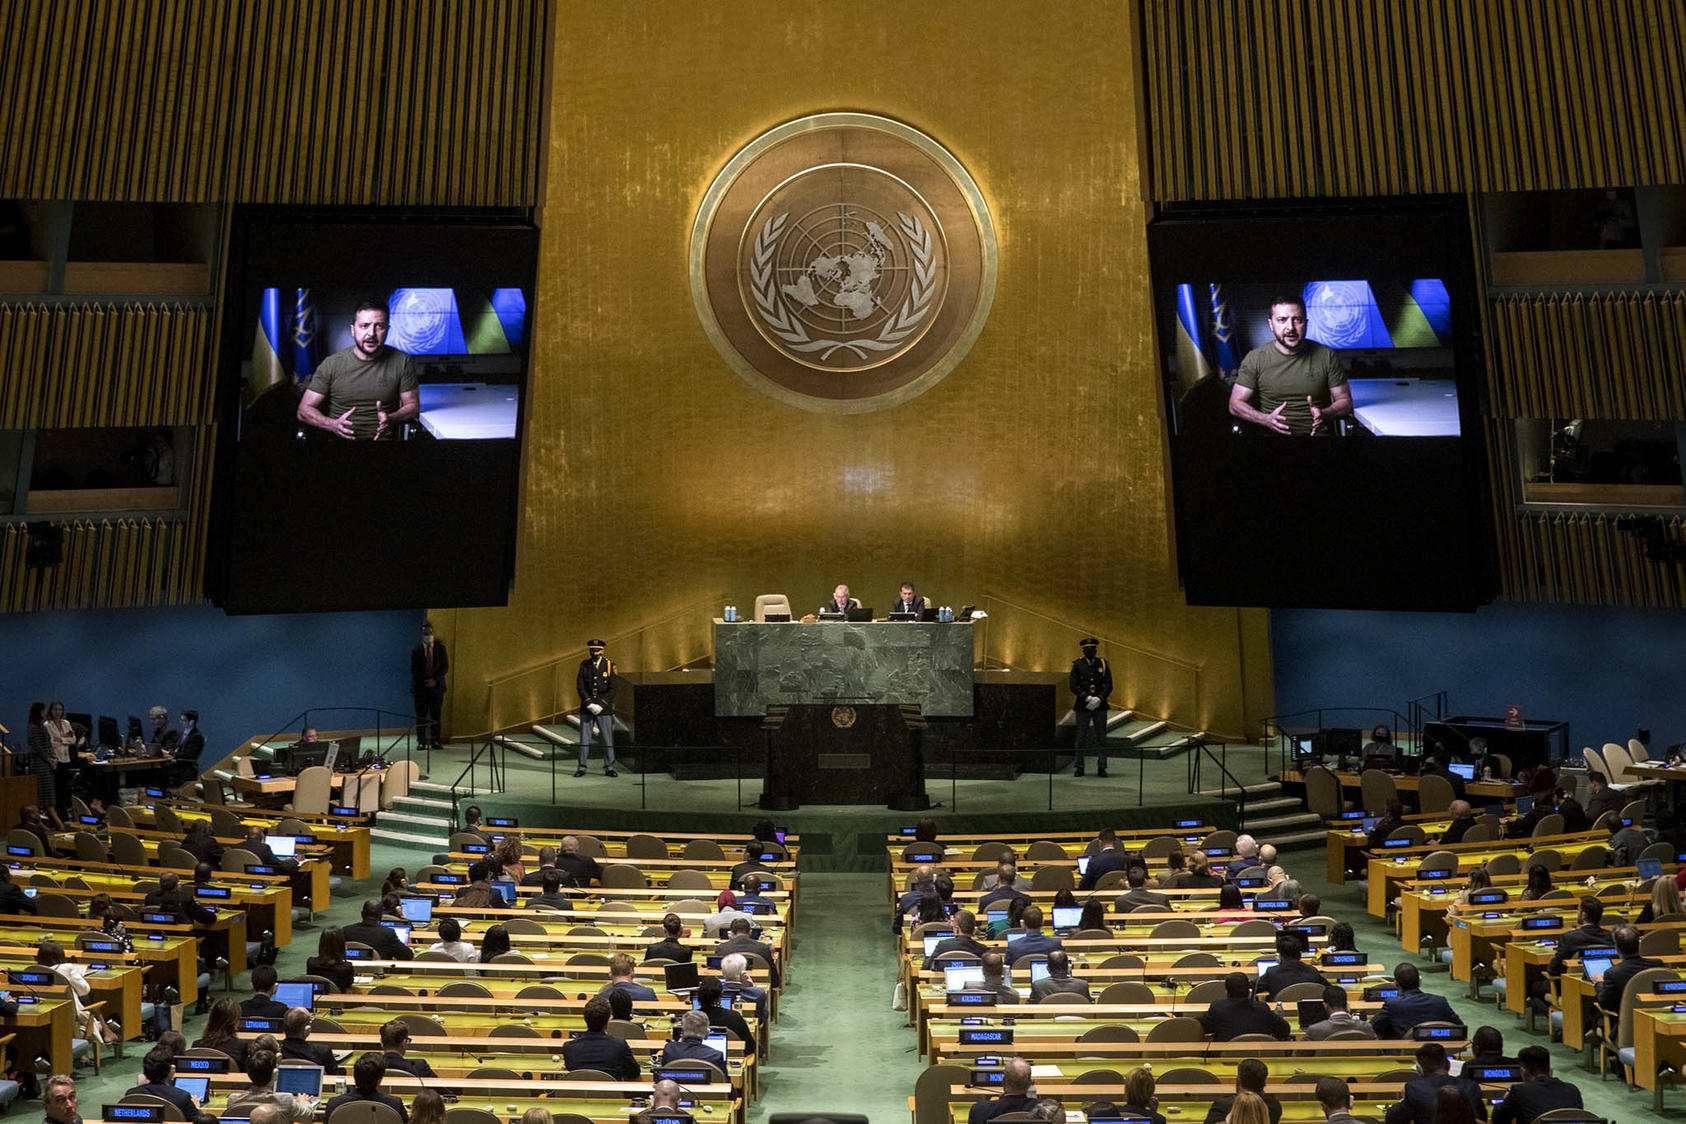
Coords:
pixel 373 369
pixel 1319 369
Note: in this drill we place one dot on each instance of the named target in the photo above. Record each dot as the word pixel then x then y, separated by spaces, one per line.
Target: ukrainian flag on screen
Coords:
pixel 268 345
pixel 498 323
pixel 1192 367
pixel 1424 318
pixel 425 322
pixel 1344 314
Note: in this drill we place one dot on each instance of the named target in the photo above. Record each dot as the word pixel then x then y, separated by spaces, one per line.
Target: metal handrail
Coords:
pixel 487 746
pixel 1270 729
pixel 302 719
pixel 1202 748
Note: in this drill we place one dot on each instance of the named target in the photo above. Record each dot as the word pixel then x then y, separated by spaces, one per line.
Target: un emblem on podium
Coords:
pixel 843 262
pixel 842 717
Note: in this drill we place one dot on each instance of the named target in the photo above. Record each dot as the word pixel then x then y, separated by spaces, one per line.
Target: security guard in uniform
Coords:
pixel 596 686
pixel 1091 683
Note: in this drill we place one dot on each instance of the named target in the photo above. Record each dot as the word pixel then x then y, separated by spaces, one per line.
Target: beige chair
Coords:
pixel 311 791
pixel 770 603
pixel 128 850
pixel 20 837
pixel 235 860
pixel 1481 833
pixel 1377 789
pixel 689 879
pixel 89 848
pixel 703 849
pixel 1179 1028
pixel 1127 991
pixel 365 1112
pixel 166 820
pixel 118 816
pixel 1160 846
pixel 1046 850
pixel 1434 794
pixel 1223 839
pixel 1637 752
pixel 624 876
pixel 1504 864
pixel 1548 825
pixel 1323 792
pixel 1621 765
pixel 645 847
pixel 1054 878
pixel 1111 1032
pixel 397 780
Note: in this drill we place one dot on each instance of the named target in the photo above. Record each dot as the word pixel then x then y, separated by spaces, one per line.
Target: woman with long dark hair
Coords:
pixel 220 1032
pixel 494 943
pixel 40 761
pixel 330 960
pixel 1094 916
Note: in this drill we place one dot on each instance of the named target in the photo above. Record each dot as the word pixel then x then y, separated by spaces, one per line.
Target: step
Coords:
pixel 422 801
pixel 1277 804
pixel 557 735
pixel 525 749
pixel 1269 827
pixel 1259 788
pixel 435 788
pixel 1117 718
pixel 408 818
pixel 1299 839
pixel 387 835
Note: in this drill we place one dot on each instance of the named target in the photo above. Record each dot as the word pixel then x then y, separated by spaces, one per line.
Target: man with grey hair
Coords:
pixel 58 1100
pixel 1267 854
pixel 1015 1094
pixel 693 1028
pixel 164 737
pixel 735 979
pixel 1246 855
pixel 664 1103
pixel 581 870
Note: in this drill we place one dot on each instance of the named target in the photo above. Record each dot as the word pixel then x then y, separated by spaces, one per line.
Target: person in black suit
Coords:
pixel 1290 968
pixel 164 737
pixel 1421 1093
pixel 670 947
pixel 263 1004
pixel 1604 798
pixel 296 1046
pixel 909 602
pixel 1410 1007
pixel 547 861
pixel 428 664
pixel 1091 683
pixel 12 898
pixel 1239 1013
pixel 693 1028
pixel 172 899
pixel 1015 1094
pixel 1059 980
pixel 995 979
pixel 596 686
pixel 965 925
pixel 1108 859
pixel 597 1050
pixel 1138 896
pixel 1463 818
pixel 188 749
pixel 1613 983
pixel 1539 1092
pixel 550 892
pixel 1034 939
pixel 371 932
pixel 257 842
pixel 708 1002
pixel 1392 820
pixel 1487 1047
pixel 1006 889
pixel 366 1077
pixel 742 941
pixel 156 1068
pixel 1250 1077
pixel 840 601
pixel 395 1040
pixel 581 870
pixel 1589 932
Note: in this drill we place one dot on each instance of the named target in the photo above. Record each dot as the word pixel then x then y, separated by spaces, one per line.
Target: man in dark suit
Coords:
pixel 1604 798
pixel 1539 1092
pixel 296 1046
pixel 995 979
pixel 596 686
pixel 164 737
pixel 582 870
pixel 965 925
pixel 257 842
pixel 1108 859
pixel 1034 940
pixel 156 1068
pixel 669 947
pixel 693 1028
pixel 708 1001
pixel 741 941
pixel 1487 1047
pixel 597 1050
pixel 840 601
pixel 909 602
pixel 924 882
pixel 171 898
pixel 1015 1094
pixel 1239 1013
pixel 1335 1098
pixel 1059 979
pixel 1290 968
pixel 371 932
pixel 428 664
pixel 188 749
pixel 547 861
pixel 1138 896
pixel 550 892
pixel 621 971
pixel 1463 818
pixel 395 1041
pixel 12 898
pixel 366 1077
pixel 1588 933
pixel 1250 1077
pixel 1613 983
pixel 1417 1105
pixel 1411 1006
pixel 1091 683
pixel 1626 844
pixel 737 981
pixel 263 1004
pixel 1006 889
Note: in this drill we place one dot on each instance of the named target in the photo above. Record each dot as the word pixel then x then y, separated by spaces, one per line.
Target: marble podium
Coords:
pixel 926 663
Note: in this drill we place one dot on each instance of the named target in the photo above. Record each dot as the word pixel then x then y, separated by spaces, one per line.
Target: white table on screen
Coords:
pixel 459 411
pixel 1406 407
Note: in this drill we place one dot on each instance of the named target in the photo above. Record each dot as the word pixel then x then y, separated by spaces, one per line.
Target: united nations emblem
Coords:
pixel 842 717
pixel 843 262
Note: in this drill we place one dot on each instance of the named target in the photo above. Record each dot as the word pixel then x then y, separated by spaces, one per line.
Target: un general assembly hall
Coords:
pixel 746 563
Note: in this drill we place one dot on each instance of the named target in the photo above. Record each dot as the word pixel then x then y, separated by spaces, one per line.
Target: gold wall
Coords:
pixel 658 483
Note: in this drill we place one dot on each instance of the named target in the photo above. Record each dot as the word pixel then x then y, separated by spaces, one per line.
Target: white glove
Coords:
pixel 595 709
pixel 1093 702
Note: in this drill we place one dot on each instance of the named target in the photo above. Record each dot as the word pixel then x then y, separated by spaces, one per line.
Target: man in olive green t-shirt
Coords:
pixel 1297 383
pixel 367 391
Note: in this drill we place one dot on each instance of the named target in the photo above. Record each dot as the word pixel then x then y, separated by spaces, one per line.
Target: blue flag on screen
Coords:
pixel 269 345
pixel 1192 368
pixel 305 339
pixel 1223 335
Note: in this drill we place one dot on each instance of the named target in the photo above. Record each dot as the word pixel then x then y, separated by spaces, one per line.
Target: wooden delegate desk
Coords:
pixel 1494 791
pixel 346 838
pixel 1347 836
pixel 46 1026
pixel 1659 1038
pixel 1423 903
pixel 1057 1044
pixel 171 951
pixel 117 986
pixel 1370 1099
pixel 1387 868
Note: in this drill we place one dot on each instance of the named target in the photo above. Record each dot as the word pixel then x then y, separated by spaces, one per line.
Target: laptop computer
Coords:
pixel 965 613
pixel 776 618
pixel 296 994
pixel 716 1041
pixel 1649 868
pixel 904 616
pixel 417 910
pixel 1596 961
pixel 1067 916
pixel 505 887
pixel 682 977
pixel 958 977
pixel 1524 805
pixel 1460 769
pixel 863 613
pixel 284 846
pixel 194 1084
pixel 402 931
pixel 1038 970
pixel 299 1079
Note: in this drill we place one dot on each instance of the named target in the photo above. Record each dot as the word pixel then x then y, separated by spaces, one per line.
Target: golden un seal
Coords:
pixel 842 717
pixel 843 262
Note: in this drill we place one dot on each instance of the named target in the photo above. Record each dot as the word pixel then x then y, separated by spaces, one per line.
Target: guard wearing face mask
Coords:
pixel 1091 683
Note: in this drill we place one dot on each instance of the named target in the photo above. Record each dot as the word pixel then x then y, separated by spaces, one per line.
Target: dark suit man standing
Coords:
pixel 1417 1105
pixel 1239 1013
pixel 1059 979
pixel 1410 1007
pixel 1139 896
pixel 1091 683
pixel 1539 1092
pixel 596 686
pixel 1108 859
pixel 428 664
